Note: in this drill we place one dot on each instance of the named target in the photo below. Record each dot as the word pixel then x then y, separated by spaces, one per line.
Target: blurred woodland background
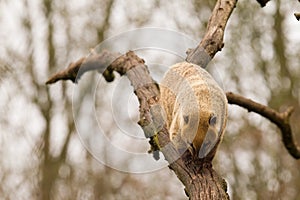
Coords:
pixel 41 156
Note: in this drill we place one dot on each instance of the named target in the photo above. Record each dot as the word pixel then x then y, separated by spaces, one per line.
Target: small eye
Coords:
pixel 212 120
pixel 186 119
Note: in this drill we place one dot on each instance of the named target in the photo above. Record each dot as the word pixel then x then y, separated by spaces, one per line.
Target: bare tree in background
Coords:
pixel 50 171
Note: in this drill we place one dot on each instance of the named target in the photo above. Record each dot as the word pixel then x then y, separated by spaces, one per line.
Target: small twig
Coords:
pixel 280 119
pixel 75 70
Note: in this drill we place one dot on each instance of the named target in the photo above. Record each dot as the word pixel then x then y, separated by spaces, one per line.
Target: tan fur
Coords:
pixel 191 98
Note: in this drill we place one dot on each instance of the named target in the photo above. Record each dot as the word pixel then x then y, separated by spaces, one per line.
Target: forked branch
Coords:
pixel 200 180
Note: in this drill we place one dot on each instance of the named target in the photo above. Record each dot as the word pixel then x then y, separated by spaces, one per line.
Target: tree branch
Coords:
pixel 213 38
pixel 280 119
pixel 94 61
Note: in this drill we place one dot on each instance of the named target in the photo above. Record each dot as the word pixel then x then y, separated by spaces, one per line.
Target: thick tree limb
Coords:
pixel 213 38
pixel 280 119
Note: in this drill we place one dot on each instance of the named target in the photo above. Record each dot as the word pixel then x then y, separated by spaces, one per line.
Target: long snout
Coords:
pixel 209 142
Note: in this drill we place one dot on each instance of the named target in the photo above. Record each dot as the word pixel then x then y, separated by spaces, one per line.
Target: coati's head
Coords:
pixel 201 130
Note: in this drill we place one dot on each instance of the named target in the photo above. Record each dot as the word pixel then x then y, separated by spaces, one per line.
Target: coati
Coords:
pixel 195 109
